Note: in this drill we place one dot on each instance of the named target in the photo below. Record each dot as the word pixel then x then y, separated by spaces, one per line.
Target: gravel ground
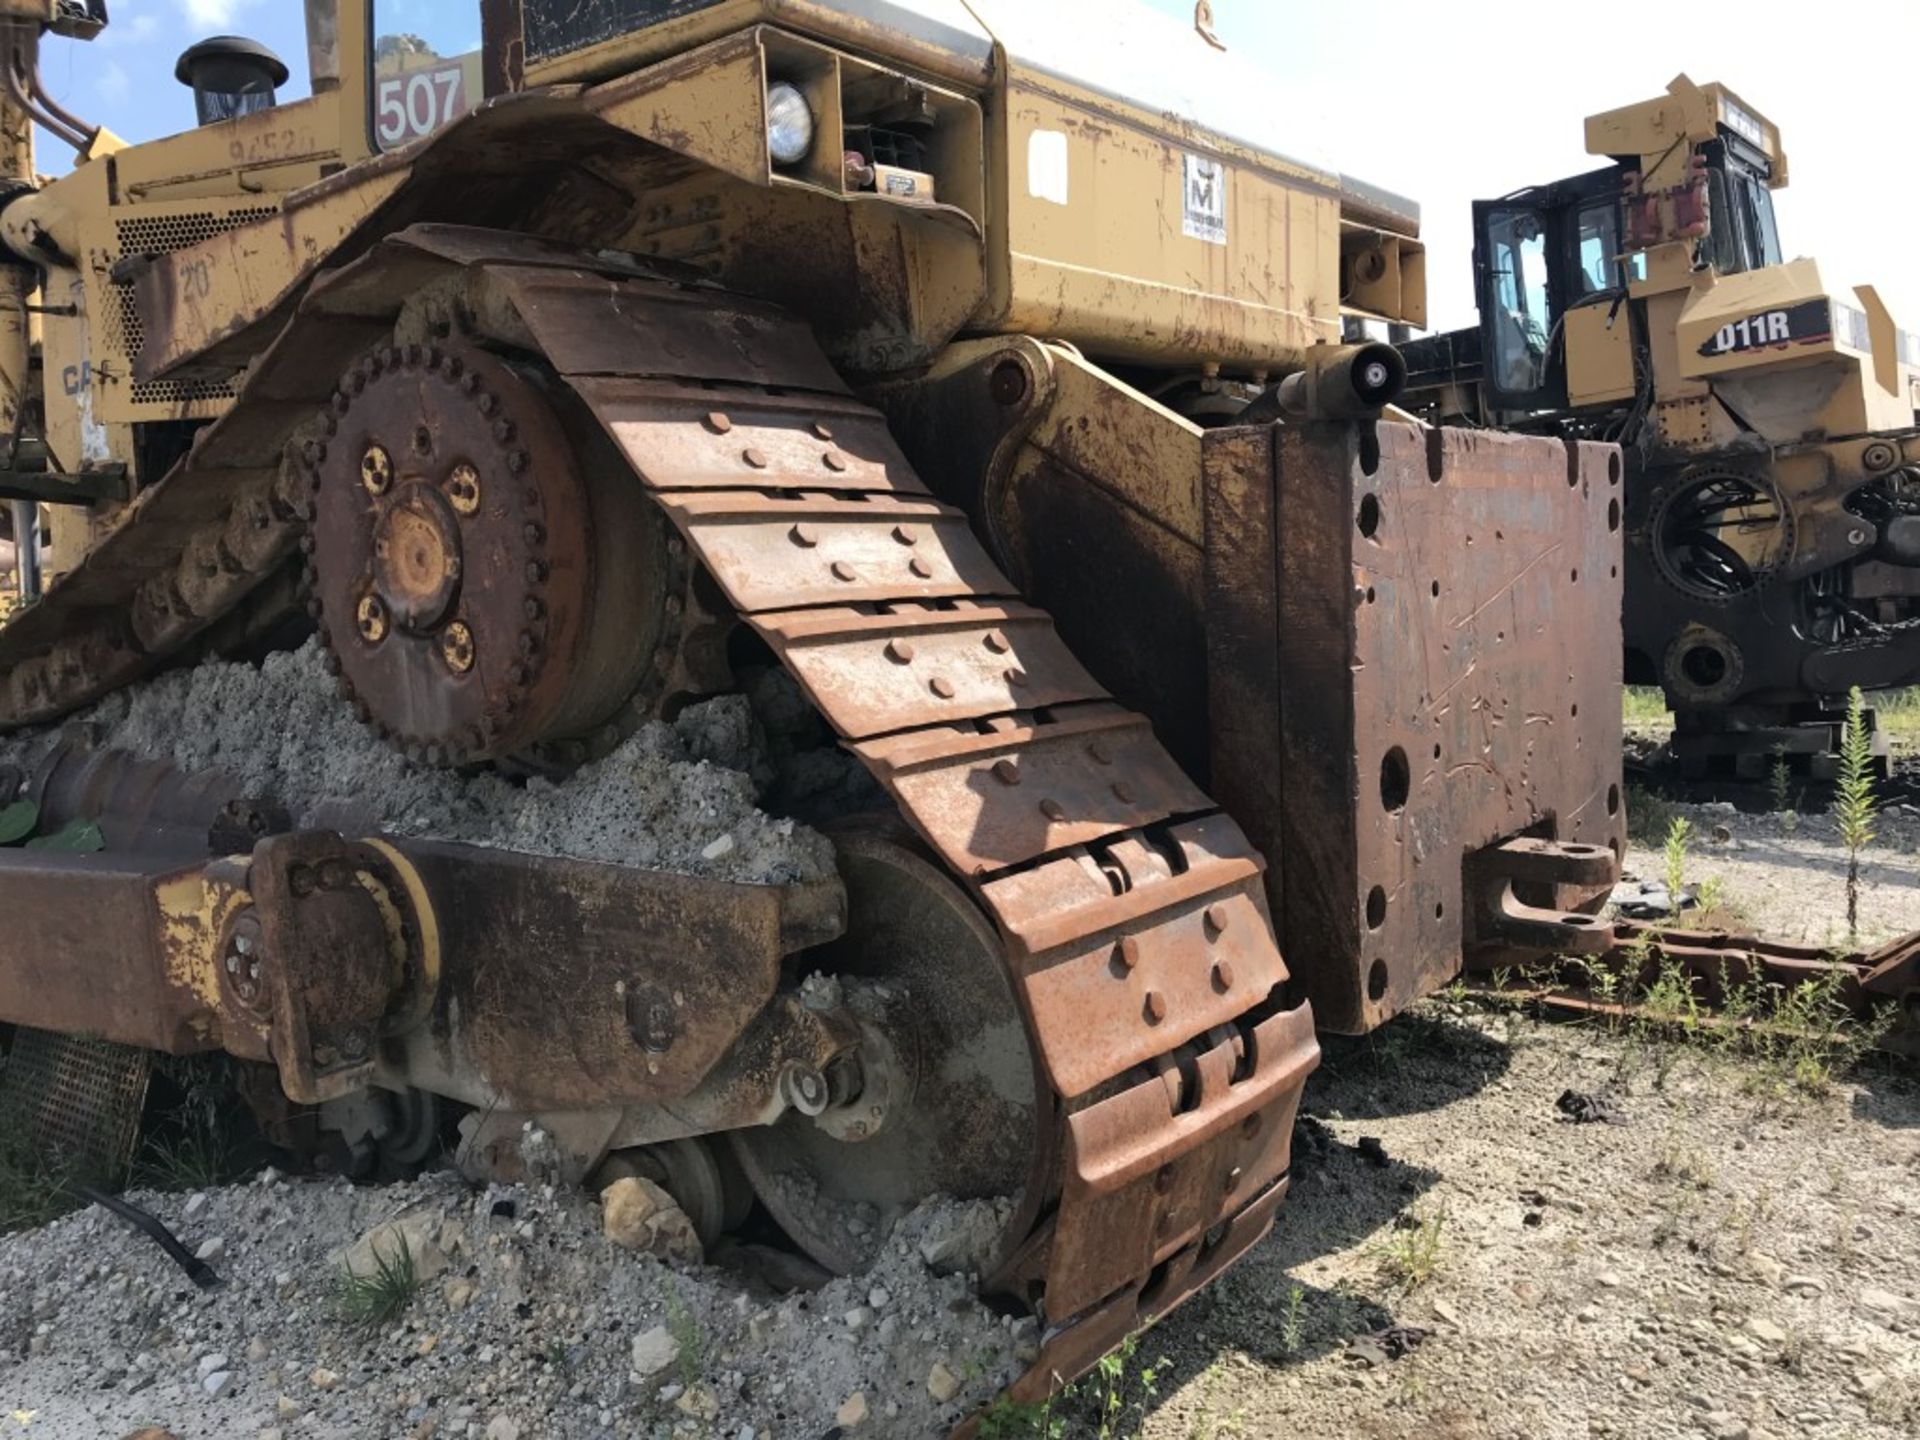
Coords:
pixel 672 797
pixel 1785 877
pixel 1739 1259
pixel 528 1324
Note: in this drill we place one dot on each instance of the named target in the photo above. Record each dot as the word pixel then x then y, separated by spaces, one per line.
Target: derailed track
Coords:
pixel 1130 913
pixel 1719 968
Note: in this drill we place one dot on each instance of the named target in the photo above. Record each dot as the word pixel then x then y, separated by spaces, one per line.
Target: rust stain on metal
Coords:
pixel 1437 593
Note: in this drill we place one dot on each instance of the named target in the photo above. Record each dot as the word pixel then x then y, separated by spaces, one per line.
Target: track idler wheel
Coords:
pixel 945 1098
pixel 484 583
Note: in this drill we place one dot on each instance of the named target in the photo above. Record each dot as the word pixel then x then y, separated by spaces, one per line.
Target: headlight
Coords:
pixel 789 124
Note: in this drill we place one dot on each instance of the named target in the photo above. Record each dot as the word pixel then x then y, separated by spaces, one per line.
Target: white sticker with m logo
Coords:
pixel 1203 203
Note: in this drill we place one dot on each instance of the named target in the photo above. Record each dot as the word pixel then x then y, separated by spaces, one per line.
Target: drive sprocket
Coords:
pixel 482 586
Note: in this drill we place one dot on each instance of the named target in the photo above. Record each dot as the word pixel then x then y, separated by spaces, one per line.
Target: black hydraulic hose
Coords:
pixel 198 1271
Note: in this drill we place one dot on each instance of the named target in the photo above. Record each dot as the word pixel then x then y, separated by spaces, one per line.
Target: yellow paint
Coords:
pixel 1599 356
pixel 424 918
pixel 194 911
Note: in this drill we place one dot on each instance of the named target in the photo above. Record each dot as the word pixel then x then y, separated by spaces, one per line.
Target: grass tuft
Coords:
pixel 1648 816
pixel 1411 1255
pixel 372 1300
pixel 33 1184
pixel 1109 1403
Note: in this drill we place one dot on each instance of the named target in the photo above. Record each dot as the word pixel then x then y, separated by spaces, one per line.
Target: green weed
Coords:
pixel 1647 816
pixel 1854 801
pixel 1411 1255
pixel 1673 854
pixel 1293 1321
pixel 371 1300
pixel 193 1146
pixel 34 1186
pixel 1779 782
pixel 1644 707
pixel 684 1326
pixel 1108 1403
pixel 1898 712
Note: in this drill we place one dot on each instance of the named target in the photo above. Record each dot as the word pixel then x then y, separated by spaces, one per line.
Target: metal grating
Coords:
pixel 76 1098
pixel 162 235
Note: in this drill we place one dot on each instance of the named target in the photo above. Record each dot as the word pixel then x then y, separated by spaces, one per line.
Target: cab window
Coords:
pixel 426 67
pixel 1741 233
pixel 1598 243
pixel 1517 272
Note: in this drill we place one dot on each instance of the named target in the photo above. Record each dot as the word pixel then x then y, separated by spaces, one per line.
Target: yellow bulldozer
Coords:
pixel 1773 458
pixel 973 372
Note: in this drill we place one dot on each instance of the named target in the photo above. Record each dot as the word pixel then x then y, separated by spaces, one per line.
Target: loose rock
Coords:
pixel 639 1215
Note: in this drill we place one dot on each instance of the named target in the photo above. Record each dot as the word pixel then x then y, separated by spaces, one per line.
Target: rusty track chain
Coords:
pixel 1718 962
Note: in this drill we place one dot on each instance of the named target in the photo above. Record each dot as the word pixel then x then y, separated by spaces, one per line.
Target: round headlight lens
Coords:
pixel 789 124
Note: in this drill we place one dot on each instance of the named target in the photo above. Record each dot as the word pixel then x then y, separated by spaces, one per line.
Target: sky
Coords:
pixel 1444 101
pixel 1452 101
pixel 124 78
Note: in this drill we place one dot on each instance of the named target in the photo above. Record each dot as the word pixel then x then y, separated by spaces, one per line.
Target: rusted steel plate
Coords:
pixel 1448 615
pixel 1529 859
pixel 1642 956
pixel 678 438
pixel 773 553
pixel 1115 979
pixel 987 801
pixel 1074 1348
pixel 1145 1179
pixel 871 674
pixel 56 973
pixel 1242 607
pixel 1894 970
pixel 588 324
pixel 646 979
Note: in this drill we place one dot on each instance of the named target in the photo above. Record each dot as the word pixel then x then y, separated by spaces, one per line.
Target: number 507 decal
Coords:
pixel 418 102
pixel 1808 323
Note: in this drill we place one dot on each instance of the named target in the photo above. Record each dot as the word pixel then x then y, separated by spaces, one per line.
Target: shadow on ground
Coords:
pixel 1417 1062
pixel 1341 1194
pixel 1888 1093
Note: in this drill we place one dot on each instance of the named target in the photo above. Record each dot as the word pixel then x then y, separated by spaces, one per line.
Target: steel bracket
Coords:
pixel 1496 877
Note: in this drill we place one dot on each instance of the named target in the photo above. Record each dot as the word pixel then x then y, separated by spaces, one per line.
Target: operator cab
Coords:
pixel 1537 254
pixel 1541 252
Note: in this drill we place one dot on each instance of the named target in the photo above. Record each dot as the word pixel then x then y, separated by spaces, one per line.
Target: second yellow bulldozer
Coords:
pixel 1769 422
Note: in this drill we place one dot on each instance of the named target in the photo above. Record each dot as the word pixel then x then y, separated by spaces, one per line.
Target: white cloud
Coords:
pixel 212 14
pixel 137 29
pixel 111 82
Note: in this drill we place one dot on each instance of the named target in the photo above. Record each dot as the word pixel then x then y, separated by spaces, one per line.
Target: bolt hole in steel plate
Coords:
pixel 1396 780
pixel 1369 517
pixel 971 1118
